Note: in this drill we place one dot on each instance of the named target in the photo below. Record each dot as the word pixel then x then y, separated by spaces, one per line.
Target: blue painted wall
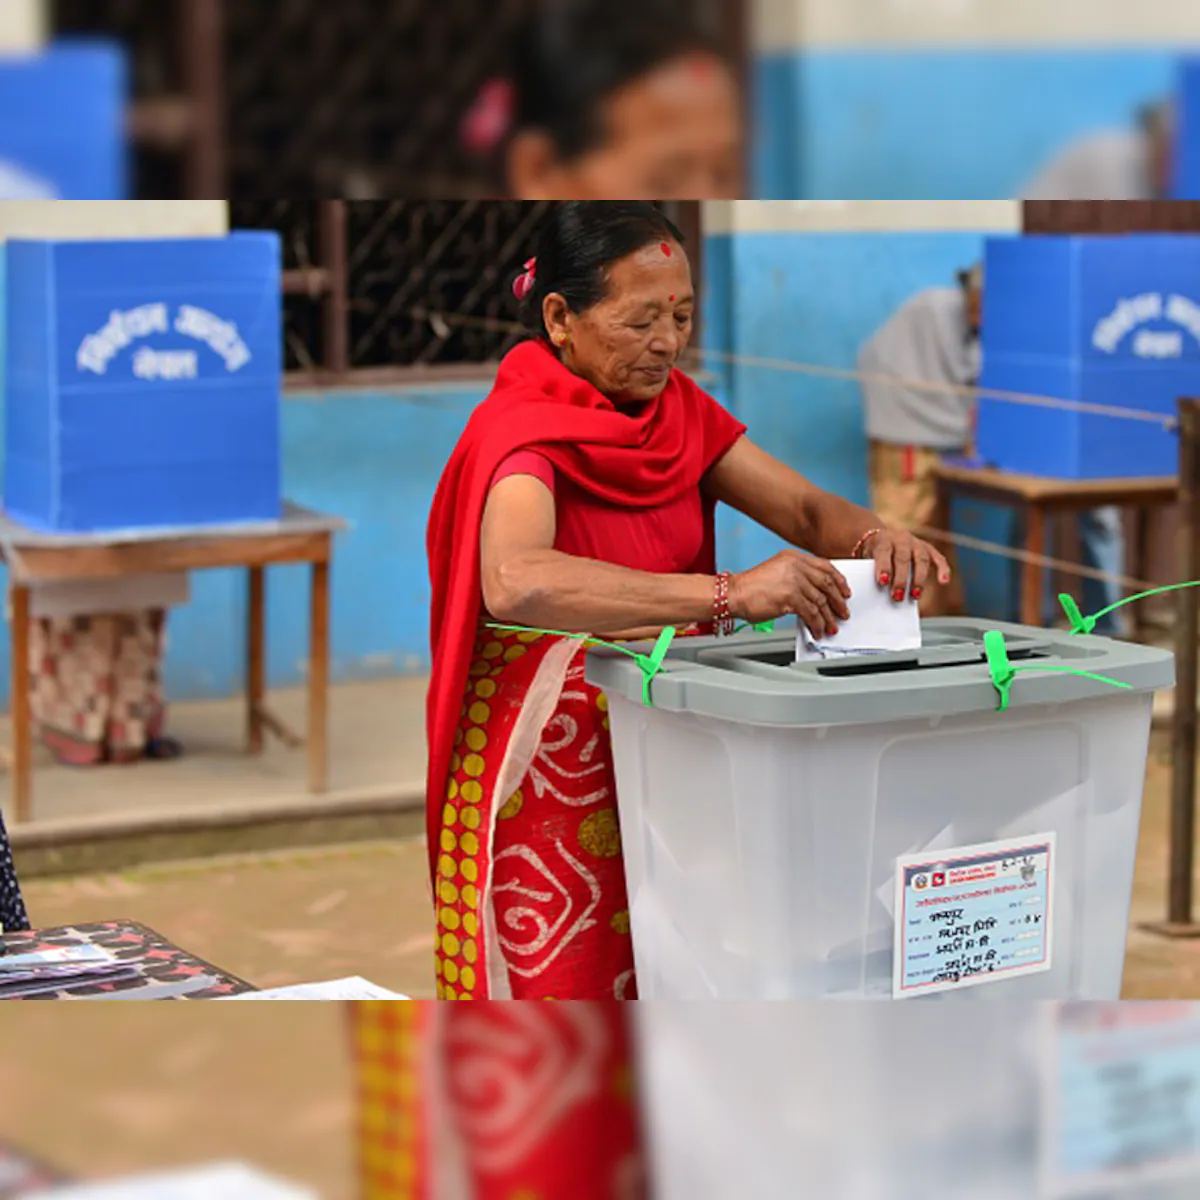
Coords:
pixel 962 124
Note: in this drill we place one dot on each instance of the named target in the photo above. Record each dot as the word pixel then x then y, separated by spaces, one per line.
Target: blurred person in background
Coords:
pixel 1120 164
pixel 581 497
pixel 96 661
pixel 934 338
pixel 600 101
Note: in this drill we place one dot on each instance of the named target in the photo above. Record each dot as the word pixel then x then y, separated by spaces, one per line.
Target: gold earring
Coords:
pixel 560 339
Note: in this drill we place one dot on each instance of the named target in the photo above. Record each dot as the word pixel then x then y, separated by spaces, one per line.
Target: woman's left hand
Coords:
pixel 904 563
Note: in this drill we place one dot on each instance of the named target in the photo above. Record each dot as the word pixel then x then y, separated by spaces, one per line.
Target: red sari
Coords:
pixel 496 1101
pixel 524 842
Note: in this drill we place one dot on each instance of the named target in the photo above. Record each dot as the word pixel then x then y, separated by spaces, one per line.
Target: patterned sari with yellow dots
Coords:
pixel 531 896
pixel 497 1101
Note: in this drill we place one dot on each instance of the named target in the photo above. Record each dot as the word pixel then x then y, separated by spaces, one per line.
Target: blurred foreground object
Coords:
pixel 851 1101
pixel 364 99
pixel 23 1176
pixel 226 1181
pixel 523 1099
pixel 62 123
pixel 604 100
pixel 493 1101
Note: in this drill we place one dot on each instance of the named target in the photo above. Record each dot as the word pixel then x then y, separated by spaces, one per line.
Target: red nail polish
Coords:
pixel 898 594
pixel 916 593
pixel 833 631
pixel 885 579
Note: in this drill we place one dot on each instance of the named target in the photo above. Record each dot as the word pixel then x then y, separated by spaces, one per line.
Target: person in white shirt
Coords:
pixel 1113 164
pixel 934 337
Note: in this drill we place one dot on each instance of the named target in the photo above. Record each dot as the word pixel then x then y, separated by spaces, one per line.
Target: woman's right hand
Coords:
pixel 792 583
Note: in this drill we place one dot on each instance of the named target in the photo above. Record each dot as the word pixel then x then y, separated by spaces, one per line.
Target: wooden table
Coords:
pixel 1039 500
pixel 301 536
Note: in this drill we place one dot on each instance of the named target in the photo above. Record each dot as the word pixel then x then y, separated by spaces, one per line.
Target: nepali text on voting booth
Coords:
pixel 808 829
pixel 143 382
pixel 1105 321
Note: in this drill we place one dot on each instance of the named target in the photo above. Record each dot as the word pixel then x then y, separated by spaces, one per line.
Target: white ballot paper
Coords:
pixel 877 625
pixel 226 1181
pixel 355 988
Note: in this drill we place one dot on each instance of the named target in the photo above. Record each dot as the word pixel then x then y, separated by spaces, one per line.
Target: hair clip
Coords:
pixel 523 284
pixel 490 117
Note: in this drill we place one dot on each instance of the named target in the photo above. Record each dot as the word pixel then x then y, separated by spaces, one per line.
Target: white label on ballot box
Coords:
pixel 972 915
pixel 1121 1098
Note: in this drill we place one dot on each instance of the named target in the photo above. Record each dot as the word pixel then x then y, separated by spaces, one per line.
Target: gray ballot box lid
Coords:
pixel 753 678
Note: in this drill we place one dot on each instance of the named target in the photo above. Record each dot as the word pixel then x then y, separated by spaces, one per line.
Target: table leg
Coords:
pixel 1143 550
pixel 318 679
pixel 256 671
pixel 20 706
pixel 1032 573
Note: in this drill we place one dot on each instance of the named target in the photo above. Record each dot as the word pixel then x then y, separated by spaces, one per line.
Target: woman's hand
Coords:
pixel 791 582
pixel 903 563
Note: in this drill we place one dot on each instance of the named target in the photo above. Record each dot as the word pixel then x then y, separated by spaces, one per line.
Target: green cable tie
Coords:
pixel 1004 673
pixel 757 626
pixel 1082 624
pixel 650 664
pixel 1079 623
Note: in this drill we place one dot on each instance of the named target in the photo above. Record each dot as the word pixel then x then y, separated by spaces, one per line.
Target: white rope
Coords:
pixel 440 322
pixel 1024 556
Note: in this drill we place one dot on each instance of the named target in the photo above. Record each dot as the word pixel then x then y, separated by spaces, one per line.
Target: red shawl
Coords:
pixel 640 460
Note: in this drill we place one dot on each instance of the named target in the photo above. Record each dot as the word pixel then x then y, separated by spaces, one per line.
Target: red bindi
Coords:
pixel 702 68
pixel 666 249
pixel 672 299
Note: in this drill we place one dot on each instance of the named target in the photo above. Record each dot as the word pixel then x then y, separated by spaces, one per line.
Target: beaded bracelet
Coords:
pixel 862 541
pixel 722 616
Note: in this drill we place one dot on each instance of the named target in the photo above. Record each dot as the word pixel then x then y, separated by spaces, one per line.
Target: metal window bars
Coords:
pixel 388 291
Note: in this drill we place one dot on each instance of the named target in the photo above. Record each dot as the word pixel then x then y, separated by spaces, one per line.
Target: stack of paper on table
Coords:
pixel 877 625
pixel 41 971
pixel 224 1181
pixel 355 988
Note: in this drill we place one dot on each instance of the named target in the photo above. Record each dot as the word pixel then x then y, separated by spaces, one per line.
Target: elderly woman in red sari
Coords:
pixel 581 498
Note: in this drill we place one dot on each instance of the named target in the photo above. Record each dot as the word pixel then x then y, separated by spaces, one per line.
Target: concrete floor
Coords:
pixel 376 742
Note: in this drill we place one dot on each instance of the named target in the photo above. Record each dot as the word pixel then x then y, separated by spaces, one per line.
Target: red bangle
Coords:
pixel 862 541
pixel 722 616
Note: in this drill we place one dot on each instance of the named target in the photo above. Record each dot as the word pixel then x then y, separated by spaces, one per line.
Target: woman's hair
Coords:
pixel 579 242
pixel 568 58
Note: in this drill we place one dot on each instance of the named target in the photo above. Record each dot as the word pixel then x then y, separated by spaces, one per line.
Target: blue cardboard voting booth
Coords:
pixel 1111 321
pixel 143 382
pixel 1186 177
pixel 62 123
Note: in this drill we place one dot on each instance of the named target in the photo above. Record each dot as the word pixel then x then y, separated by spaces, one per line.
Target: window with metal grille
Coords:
pixel 380 285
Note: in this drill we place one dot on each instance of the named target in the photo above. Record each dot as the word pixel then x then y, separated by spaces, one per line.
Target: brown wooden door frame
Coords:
pixel 1110 216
